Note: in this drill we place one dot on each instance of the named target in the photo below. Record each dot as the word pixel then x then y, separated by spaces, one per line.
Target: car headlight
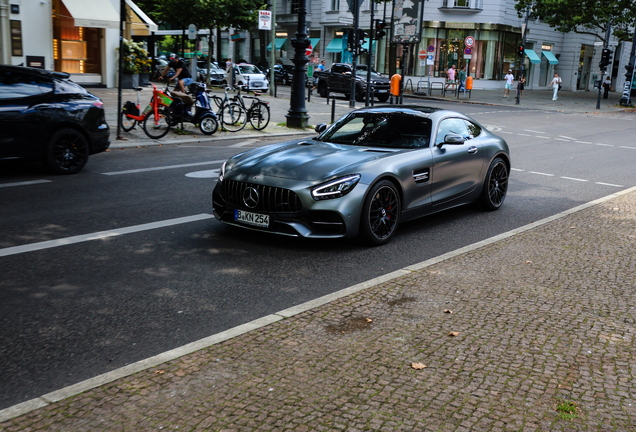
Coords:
pixel 336 188
pixel 222 172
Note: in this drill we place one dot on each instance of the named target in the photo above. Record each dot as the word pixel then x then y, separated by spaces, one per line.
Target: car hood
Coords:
pixel 306 160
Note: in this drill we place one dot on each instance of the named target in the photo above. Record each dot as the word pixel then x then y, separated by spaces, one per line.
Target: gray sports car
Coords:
pixel 373 168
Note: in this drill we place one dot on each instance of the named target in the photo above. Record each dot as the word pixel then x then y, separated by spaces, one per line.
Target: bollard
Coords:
pixel 328 93
pixel 333 110
pixel 275 88
pixel 309 95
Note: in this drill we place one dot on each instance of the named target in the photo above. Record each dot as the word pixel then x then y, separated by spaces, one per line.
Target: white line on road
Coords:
pixel 533 131
pixel 567 137
pixel 540 173
pixel 543 137
pixel 523 134
pixel 605 145
pixel 24 183
pixel 575 179
pixel 516 169
pixel 134 171
pixel 243 143
pixel 627 147
pixel 561 139
pixel 101 235
pixel 583 142
pixel 609 184
pixel 506 132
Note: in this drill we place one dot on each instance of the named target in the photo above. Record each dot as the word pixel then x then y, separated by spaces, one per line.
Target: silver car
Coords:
pixel 369 171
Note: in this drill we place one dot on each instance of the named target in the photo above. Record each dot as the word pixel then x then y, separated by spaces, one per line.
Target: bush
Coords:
pixel 135 58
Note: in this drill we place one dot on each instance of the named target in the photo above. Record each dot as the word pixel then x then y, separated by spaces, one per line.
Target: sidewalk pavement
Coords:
pixel 530 330
pixel 320 112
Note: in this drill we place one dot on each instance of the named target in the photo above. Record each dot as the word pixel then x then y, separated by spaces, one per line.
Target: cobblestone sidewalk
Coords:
pixel 544 339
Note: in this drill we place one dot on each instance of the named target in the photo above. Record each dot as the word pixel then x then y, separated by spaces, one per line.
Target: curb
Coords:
pixel 97 381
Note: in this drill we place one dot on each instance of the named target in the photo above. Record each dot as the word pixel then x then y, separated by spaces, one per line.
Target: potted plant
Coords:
pixel 136 65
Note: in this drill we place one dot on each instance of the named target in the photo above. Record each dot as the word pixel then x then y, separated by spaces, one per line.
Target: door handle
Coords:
pixel 472 150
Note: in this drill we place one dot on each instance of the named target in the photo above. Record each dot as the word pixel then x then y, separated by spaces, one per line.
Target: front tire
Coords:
pixel 157 129
pixel 67 152
pixel 322 90
pixel 495 185
pixel 259 116
pixel 380 214
pixel 208 125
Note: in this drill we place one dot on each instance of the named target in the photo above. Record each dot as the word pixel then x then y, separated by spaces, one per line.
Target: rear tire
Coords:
pixel 161 127
pixel 127 124
pixel 495 186
pixel 208 125
pixel 259 116
pixel 322 90
pixel 233 117
pixel 67 152
pixel 380 214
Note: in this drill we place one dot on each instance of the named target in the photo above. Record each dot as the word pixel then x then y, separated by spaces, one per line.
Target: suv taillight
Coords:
pixel 98 104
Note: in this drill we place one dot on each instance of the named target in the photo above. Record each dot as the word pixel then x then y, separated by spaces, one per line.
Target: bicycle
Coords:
pixel 257 113
pixel 233 117
pixel 155 118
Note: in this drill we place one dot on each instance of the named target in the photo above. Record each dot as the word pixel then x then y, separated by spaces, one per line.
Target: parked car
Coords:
pixel 363 175
pixel 283 74
pixel 44 116
pixel 246 74
pixel 337 79
pixel 217 75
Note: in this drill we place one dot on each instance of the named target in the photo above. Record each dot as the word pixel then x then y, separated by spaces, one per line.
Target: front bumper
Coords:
pixel 336 218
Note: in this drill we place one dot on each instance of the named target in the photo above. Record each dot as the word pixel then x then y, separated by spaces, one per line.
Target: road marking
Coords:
pixel 516 169
pixel 575 179
pixel 561 139
pixel 134 171
pixel 24 183
pixel 100 235
pixel 609 184
pixel 523 134
pixel 533 131
pixel 506 132
pixel 583 142
pixel 141 365
pixel 540 173
pixel 627 147
pixel 570 138
pixel 204 174
pixel 605 145
pixel 243 143
pixel 543 137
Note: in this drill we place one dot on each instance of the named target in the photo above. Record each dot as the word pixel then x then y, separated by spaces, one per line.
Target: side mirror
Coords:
pixel 321 127
pixel 347 73
pixel 453 139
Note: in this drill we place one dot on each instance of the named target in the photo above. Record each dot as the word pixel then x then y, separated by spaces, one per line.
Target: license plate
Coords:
pixel 255 219
pixel 382 91
pixel 256 84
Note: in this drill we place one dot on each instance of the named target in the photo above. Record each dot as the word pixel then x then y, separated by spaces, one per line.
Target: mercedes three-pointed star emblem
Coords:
pixel 250 197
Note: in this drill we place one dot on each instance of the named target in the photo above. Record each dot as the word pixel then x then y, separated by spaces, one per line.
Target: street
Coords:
pixel 134 264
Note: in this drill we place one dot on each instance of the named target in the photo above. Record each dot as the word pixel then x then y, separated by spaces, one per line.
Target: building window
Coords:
pixel 294 6
pixel 335 5
pixel 462 3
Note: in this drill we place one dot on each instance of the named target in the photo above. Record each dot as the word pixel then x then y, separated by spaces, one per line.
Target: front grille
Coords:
pixel 271 199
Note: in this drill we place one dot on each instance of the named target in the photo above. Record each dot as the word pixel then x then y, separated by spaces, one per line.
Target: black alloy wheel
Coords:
pixel 380 213
pixel 322 90
pixel 67 152
pixel 495 186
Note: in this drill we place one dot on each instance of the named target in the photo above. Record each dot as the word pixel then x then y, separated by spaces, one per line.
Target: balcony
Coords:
pixel 462 6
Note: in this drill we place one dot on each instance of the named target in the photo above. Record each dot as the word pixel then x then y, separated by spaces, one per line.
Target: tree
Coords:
pixel 583 16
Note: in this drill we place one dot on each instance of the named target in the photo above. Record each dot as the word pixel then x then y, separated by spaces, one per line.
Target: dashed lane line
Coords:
pixel 540 173
pixel 243 143
pixel 15 250
pixel 627 147
pixel 609 184
pixel 605 145
pixel 583 142
pixel 575 179
pixel 134 171
pixel 24 183
pixel 533 131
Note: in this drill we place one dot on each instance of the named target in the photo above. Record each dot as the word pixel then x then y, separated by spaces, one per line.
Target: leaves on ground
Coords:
pixel 418 366
pixel 369 320
pixel 448 311
pixel 160 372
pixel 453 334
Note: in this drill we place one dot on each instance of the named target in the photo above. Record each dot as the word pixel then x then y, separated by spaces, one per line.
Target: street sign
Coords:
pixel 422 54
pixel 309 50
pixel 422 62
pixel 192 31
pixel 431 48
pixel 468 51
pixel 430 60
pixel 598 43
pixel 614 43
pixel 345 20
pixel 468 56
pixel 469 41
pixel 264 20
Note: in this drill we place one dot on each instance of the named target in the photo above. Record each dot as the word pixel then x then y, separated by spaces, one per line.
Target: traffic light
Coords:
pixel 351 40
pixel 361 39
pixel 379 29
pixel 606 58
pixel 520 51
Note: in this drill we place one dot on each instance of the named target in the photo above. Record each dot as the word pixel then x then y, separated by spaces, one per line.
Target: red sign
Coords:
pixel 422 54
pixel 309 50
pixel 469 41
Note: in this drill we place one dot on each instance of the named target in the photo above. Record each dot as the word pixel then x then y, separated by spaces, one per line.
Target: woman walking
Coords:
pixel 556 84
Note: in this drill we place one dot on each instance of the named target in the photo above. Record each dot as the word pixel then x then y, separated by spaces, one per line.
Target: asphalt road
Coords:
pixel 80 306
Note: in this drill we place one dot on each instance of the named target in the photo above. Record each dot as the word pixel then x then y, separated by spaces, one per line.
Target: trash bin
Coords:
pixel 395 84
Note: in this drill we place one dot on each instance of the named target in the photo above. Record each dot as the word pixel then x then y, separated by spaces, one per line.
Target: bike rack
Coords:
pixel 409 82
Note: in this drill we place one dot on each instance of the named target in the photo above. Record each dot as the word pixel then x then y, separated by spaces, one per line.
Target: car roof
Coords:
pixel 403 109
pixel 42 72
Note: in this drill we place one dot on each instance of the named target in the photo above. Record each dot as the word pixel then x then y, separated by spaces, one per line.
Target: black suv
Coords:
pixel 45 116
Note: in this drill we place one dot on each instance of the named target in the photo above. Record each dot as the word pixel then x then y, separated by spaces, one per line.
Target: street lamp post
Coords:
pixel 604 67
pixel 523 48
pixel 297 116
pixel 629 75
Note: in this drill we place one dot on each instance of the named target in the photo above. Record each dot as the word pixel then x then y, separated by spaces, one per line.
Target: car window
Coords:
pixel 473 129
pixel 249 69
pixel 451 125
pixel 14 84
pixel 68 87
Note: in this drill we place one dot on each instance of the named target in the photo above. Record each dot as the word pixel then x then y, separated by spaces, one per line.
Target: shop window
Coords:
pixel 335 5
pixel 75 49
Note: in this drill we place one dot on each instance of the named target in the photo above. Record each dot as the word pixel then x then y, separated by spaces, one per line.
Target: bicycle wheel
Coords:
pixel 259 115
pixel 159 128
pixel 127 124
pixel 233 117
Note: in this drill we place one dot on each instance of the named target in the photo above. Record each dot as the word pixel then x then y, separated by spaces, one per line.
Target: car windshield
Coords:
pixel 364 68
pixel 380 129
pixel 249 69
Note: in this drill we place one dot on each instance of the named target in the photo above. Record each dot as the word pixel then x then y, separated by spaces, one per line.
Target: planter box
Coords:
pixel 129 81
pixel 144 79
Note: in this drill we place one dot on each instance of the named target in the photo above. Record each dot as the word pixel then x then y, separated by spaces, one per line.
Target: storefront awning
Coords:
pixel 314 42
pixel 143 18
pixel 93 13
pixel 551 58
pixel 279 44
pixel 335 45
pixel 534 58
pixel 365 45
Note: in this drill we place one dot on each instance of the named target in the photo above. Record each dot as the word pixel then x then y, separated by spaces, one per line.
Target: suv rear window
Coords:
pixel 68 87
pixel 15 85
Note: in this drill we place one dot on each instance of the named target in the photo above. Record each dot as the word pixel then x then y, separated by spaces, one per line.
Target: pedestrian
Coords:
pixel 229 70
pixel 556 85
pixel 606 86
pixel 509 79
pixel 521 85
pixel 450 76
pixel 321 66
pixel 462 79
pixel 181 73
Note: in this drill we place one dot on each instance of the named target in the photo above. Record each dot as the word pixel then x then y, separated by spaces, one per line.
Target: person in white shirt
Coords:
pixel 509 79
pixel 555 83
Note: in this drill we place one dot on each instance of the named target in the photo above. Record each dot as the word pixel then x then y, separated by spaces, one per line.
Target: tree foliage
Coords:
pixel 584 16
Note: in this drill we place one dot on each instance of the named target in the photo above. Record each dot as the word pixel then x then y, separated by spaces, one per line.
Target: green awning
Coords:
pixel 335 45
pixel 279 44
pixel 365 45
pixel 551 58
pixel 534 58
pixel 314 42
